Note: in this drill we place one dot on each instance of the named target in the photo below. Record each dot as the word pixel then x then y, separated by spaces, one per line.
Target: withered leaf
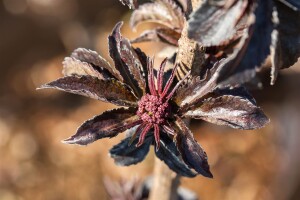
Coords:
pixel 191 152
pixel 72 66
pixel 94 59
pixel 108 124
pixel 233 108
pixel 165 12
pixel 169 154
pixel 125 154
pixel 126 61
pixel 212 24
pixel 253 48
pixel 110 90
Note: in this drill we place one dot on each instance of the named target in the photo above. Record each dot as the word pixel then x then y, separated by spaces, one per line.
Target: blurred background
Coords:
pixel 35 36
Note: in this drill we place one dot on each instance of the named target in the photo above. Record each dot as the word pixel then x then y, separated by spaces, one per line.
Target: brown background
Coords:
pixel 35 36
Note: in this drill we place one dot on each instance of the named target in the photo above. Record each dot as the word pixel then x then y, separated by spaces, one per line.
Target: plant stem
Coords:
pixel 165 182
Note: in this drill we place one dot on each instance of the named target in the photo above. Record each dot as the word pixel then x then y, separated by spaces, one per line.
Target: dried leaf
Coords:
pixel 169 154
pixel 233 108
pixel 110 90
pixel 108 124
pixel 212 24
pixel 192 153
pixel 126 61
pixel 125 154
pixel 164 12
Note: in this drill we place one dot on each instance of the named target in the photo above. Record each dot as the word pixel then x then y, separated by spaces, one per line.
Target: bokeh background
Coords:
pixel 35 36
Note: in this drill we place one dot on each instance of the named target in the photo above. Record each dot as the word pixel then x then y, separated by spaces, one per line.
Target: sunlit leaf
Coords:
pixel 212 24
pixel 126 60
pixel 72 66
pixel 165 12
pixel 111 90
pixel 231 109
pixel 94 59
pixel 108 124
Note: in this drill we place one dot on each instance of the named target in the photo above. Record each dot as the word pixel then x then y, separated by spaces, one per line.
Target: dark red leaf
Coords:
pixel 253 48
pixel 126 61
pixel 212 24
pixel 192 153
pixel 169 154
pixel 110 90
pixel 233 108
pixel 288 47
pixel 108 124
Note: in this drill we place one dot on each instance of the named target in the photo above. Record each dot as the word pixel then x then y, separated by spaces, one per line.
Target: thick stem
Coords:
pixel 165 182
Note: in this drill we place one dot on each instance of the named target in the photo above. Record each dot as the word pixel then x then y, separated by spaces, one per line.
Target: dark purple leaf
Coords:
pixel 165 35
pixel 110 90
pixel 293 4
pixel 165 12
pixel 212 24
pixel 126 154
pixel 108 124
pixel 288 47
pixel 253 48
pixel 191 152
pixel 195 88
pixel 169 154
pixel 126 61
pixel 233 108
pixel 94 59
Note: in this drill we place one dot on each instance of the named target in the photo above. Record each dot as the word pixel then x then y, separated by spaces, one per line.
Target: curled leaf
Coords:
pixel 165 12
pixel 191 152
pixel 126 61
pixel 108 124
